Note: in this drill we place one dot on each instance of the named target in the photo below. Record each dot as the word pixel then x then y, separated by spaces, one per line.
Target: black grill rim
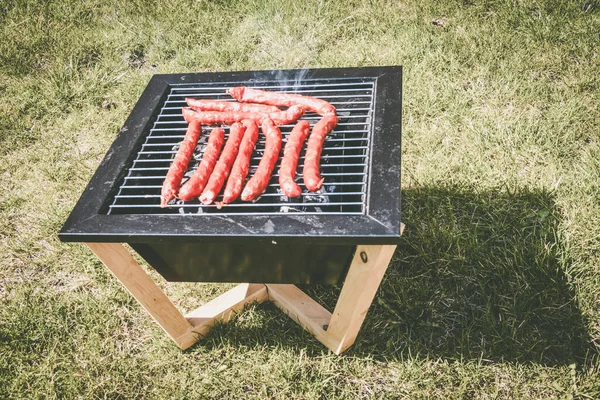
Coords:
pixel 380 224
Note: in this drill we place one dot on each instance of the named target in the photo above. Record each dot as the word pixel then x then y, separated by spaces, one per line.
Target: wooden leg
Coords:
pixel 124 267
pixel 338 331
pixel 304 310
pixel 226 306
pixel 185 331
pixel 363 279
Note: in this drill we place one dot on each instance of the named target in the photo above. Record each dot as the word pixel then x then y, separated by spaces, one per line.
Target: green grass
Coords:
pixel 495 289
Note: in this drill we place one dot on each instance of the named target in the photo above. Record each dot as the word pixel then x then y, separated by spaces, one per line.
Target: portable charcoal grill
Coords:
pixel 347 230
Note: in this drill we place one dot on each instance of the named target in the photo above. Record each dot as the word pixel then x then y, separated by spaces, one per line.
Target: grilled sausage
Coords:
pixel 288 116
pixel 194 186
pixel 312 162
pixel 223 106
pixel 242 163
pixel 258 183
pixel 291 153
pixel 180 163
pixel 221 171
pixel 189 115
pixel 279 99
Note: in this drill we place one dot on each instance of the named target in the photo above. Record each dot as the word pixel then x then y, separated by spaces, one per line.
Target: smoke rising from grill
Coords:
pixel 294 81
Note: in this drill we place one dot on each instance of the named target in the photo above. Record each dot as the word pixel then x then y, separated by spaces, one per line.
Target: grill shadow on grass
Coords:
pixel 478 276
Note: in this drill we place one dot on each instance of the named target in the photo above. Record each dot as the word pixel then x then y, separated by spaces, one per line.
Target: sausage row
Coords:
pixel 254 106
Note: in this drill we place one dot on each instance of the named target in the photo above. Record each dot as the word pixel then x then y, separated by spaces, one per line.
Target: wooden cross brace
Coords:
pixel 336 330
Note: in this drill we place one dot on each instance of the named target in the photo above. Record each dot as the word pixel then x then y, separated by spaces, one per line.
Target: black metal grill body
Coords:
pixel 242 262
pixel 274 239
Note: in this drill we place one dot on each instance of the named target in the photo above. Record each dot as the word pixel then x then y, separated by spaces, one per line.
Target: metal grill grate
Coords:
pixel 344 161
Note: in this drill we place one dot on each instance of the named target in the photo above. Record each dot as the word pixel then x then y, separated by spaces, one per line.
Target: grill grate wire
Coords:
pixel 344 161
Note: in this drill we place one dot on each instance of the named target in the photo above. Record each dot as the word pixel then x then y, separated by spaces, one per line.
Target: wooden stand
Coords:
pixel 336 330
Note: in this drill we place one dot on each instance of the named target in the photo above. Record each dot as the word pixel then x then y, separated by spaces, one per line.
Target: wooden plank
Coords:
pixel 131 275
pixel 226 306
pixel 304 310
pixel 364 276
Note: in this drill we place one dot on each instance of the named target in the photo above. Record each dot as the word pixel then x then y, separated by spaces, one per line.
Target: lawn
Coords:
pixel 494 291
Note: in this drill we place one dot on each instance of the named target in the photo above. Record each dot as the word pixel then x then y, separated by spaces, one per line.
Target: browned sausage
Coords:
pixel 194 186
pixel 180 163
pixel 288 116
pixel 258 183
pixel 312 162
pixel 291 153
pixel 242 163
pixel 221 171
pixel 220 105
pixel 280 99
